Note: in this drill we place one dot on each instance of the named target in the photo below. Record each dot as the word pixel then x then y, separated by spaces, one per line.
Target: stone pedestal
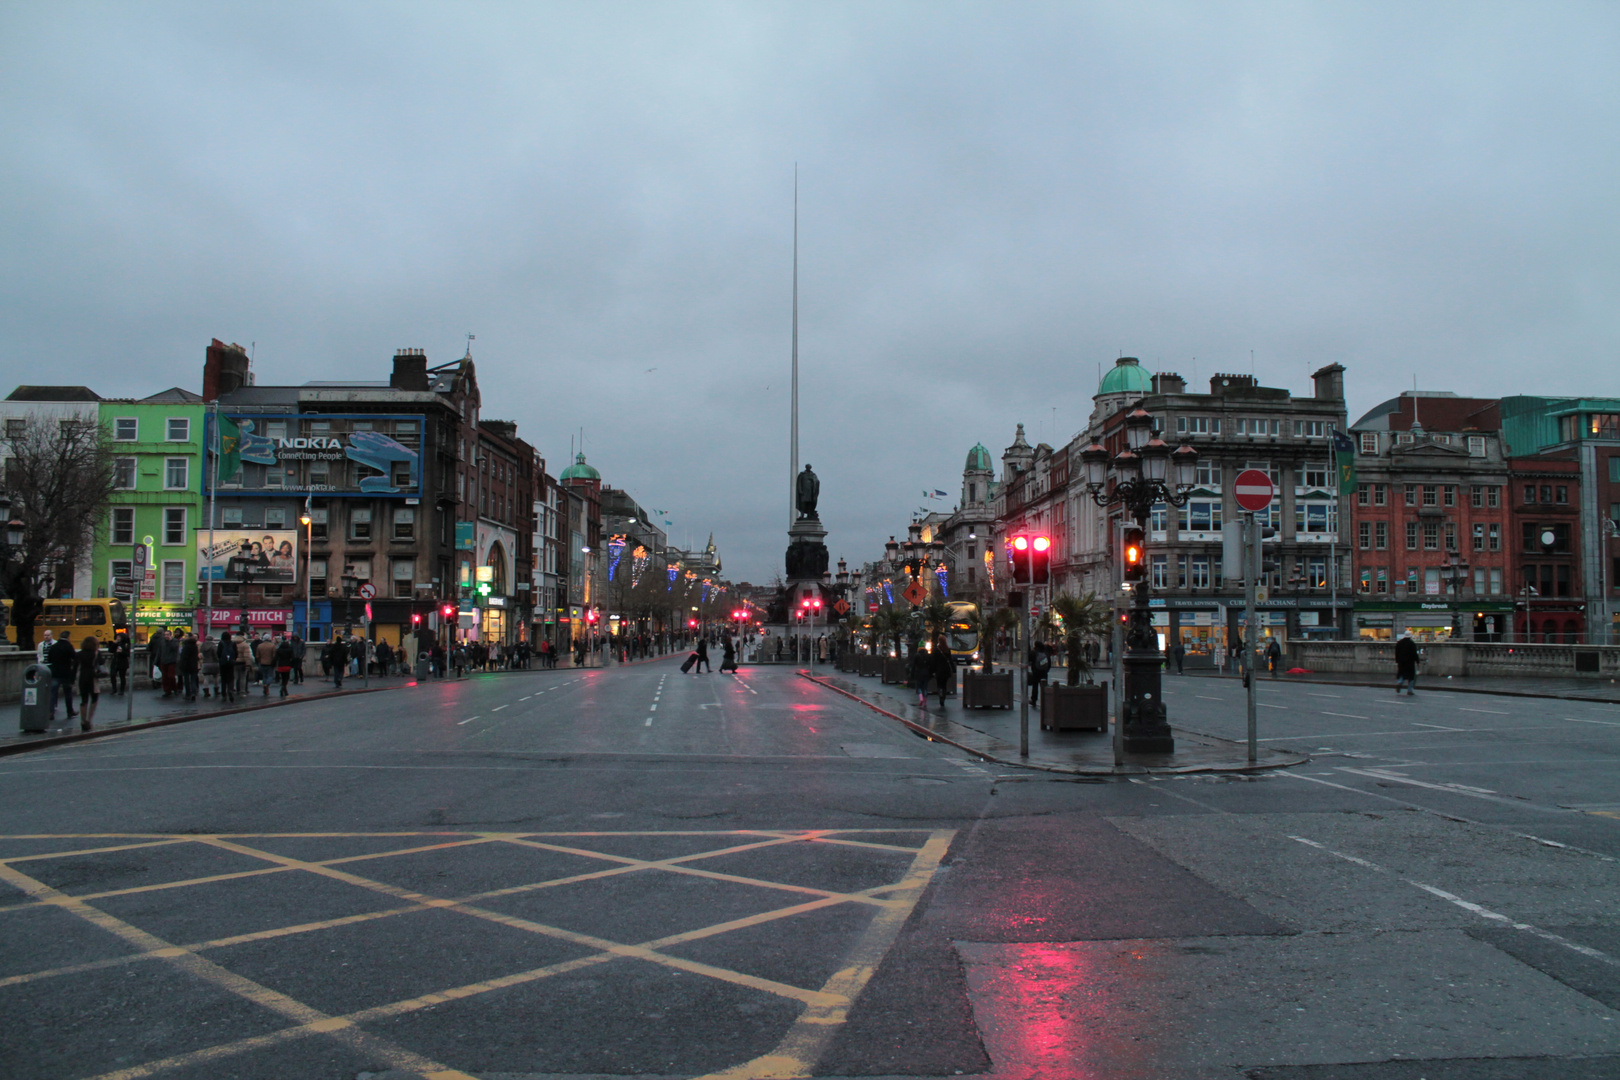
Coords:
pixel 806 562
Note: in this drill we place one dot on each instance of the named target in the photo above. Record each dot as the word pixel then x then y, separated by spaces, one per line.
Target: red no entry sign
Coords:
pixel 1253 490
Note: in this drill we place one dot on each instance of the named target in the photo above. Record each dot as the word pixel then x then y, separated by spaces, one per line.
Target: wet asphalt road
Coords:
pixel 634 873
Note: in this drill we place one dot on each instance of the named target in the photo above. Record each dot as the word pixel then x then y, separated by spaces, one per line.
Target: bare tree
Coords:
pixel 59 477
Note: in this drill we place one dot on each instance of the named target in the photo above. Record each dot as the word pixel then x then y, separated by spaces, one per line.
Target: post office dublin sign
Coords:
pixel 326 454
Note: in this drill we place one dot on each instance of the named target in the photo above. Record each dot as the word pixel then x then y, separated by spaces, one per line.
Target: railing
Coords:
pixel 1462 658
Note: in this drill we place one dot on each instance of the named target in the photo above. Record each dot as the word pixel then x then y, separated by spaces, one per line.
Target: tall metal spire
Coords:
pixel 793 472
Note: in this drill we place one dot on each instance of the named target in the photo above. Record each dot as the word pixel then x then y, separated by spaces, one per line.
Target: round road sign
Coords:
pixel 1253 490
pixel 366 591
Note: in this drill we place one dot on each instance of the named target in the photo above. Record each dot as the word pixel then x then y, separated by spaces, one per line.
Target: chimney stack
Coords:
pixel 225 370
pixel 410 370
pixel 1329 383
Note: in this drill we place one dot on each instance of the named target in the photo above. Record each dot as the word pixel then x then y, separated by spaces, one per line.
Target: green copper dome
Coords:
pixel 580 471
pixel 1126 377
pixel 978 459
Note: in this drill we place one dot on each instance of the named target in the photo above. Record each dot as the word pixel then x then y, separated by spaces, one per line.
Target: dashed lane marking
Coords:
pixel 1346 715
pixel 469 720
pixel 498 708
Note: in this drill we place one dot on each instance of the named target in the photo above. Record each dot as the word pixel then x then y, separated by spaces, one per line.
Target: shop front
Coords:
pixel 1432 620
pixel 150 617
pixel 251 620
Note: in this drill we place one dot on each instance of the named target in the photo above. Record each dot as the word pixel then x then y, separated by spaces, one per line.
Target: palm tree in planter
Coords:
pixel 1085 618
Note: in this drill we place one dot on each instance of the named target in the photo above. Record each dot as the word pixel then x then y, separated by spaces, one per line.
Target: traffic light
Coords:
pixel 1020 547
pixel 1135 560
pixel 416 618
pixel 1040 560
pixel 448 611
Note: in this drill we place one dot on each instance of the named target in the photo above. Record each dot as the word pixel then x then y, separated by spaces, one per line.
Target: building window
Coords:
pixel 1494 537
pixel 1546 493
pixel 123 525
pixel 1479 581
pixel 1496 581
pixel 1476 446
pixel 1366 581
pixel 178 429
pixel 1479 537
pixel 317 522
pixel 404 575
pixel 120 568
pixel 175 473
pixel 1380 494
pixel 1316 573
pixel 1314 517
pixel 1614 469
pixel 1200 571
pixel 360 523
pixel 1562 495
pixel 1431 581
pixel 1380 535
pixel 1411 494
pixel 1316 474
pixel 1431 536
pixel 124 473
pixel 1493 496
pixel 1429 494
pixel 1449 495
pixel 1369 442
pixel 1451 536
pixel 174 525
pixel 16 427
pixel 1201 515
pixel 1160 565
pixel 1158 519
pixel 1181 571
pixel 1198 425
pixel 1310 429
pixel 1209 474
pixel 1529 493
pixel 1476 496
pixel 404 523
pixel 173 581
pixel 1364 535
pixel 1411 535
pixel 275 517
pixel 317 577
pixel 230 517
pixel 320 476
pixel 1363 494
pixel 125 429
pixel 1383 580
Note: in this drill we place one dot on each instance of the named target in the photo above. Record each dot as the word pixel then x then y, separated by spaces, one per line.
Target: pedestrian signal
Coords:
pixel 1134 555
pixel 1019 547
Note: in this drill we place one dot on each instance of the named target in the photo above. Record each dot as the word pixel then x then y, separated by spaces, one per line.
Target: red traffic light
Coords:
pixel 416 617
pixel 448 611
pixel 692 623
pixel 1042 543
pixel 1020 543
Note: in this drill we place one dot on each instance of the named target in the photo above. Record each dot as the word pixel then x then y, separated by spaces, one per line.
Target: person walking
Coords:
pixel 299 651
pixel 919 671
pixel 166 658
pixel 118 663
pixel 1406 660
pixel 89 681
pixel 209 649
pixel 340 660
pixel 1273 657
pixel 284 659
pixel 944 665
pixel 64 664
pixel 1040 666
pixel 728 656
pixel 458 660
pixel 265 653
pixel 702 657
pixel 190 663
pixel 1178 652
pixel 226 653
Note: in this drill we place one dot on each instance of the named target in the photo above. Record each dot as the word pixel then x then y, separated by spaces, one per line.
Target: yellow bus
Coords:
pixel 103 618
pixel 960 635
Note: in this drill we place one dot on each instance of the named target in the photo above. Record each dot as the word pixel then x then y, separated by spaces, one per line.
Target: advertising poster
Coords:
pixel 259 556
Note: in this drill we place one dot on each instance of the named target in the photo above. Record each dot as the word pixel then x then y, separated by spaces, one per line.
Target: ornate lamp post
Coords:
pixel 1145 473
pixel 1454 572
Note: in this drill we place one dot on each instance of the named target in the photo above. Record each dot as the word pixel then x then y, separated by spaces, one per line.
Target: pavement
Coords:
pixel 993 734
pixel 1512 686
pixel 628 872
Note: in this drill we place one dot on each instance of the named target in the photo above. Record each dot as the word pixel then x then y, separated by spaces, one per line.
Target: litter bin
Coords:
pixel 424 666
pixel 36 698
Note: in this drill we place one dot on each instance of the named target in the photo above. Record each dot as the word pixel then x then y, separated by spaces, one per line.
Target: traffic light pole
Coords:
pixel 1251 552
pixel 1021 643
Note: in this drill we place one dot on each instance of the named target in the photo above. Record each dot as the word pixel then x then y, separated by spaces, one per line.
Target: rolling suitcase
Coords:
pixel 690 660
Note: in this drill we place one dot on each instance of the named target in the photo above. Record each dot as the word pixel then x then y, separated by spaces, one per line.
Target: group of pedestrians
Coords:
pixel 74 669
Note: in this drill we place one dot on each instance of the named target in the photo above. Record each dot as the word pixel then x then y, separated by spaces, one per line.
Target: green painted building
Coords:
pixel 158 459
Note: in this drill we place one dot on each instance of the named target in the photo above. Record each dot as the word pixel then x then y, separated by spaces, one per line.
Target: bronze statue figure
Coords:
pixel 809 490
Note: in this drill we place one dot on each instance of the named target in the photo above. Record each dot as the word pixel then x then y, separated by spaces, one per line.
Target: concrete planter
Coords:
pixel 869 664
pixel 1075 708
pixel 987 691
pixel 896 670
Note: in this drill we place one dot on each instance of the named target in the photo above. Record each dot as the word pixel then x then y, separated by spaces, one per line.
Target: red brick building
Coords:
pixel 1550 597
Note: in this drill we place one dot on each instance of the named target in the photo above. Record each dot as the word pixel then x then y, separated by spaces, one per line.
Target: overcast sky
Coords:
pixel 995 199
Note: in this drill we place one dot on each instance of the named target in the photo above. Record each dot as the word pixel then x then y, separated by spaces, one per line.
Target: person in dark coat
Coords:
pixel 118 666
pixel 1040 666
pixel 63 661
pixel 920 670
pixel 944 666
pixel 728 656
pixel 703 657
pixel 340 660
pixel 1406 659
pixel 190 664
pixel 286 657
pixel 229 661
pixel 1273 657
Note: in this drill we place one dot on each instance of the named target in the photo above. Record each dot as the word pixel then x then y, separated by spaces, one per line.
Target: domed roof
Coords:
pixel 579 470
pixel 978 459
pixel 1126 377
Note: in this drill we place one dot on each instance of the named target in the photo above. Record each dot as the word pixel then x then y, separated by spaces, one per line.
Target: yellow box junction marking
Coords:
pixel 807 1039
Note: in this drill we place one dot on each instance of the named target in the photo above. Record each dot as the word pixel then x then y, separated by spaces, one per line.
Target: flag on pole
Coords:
pixel 228 448
pixel 1345 452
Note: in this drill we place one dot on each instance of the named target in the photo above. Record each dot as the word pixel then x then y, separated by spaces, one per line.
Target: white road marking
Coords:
pixel 525 698
pixel 498 708
pixel 1334 696
pixel 1437 727
pixel 1453 789
pixel 469 720
pixel 1469 906
pixel 1576 720
pixel 648 723
pixel 1493 712
pixel 1206 697
pixel 654 706
pixel 1346 715
pixel 1268 705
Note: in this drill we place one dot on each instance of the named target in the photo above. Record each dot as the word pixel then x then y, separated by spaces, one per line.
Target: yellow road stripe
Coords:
pixel 208 971
pixel 807 1040
pixel 1605 813
pixel 93 851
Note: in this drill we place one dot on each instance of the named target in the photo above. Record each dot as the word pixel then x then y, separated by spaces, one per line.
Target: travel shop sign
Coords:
pixel 321 453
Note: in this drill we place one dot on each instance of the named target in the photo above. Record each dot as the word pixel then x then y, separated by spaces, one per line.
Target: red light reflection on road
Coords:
pixel 1069 1011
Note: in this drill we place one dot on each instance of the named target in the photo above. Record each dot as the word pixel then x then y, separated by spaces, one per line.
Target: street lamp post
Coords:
pixel 1454 572
pixel 1145 473
pixel 307 520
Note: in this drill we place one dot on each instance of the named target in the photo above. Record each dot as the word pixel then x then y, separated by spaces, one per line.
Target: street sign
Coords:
pixel 366 591
pixel 123 588
pixel 842 607
pixel 915 593
pixel 139 556
pixel 1253 490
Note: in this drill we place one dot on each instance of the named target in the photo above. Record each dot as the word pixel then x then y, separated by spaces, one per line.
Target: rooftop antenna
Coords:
pixel 1251 362
pixel 793 463
pixel 470 338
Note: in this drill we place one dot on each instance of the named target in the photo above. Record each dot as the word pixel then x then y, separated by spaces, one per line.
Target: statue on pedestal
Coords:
pixel 808 491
